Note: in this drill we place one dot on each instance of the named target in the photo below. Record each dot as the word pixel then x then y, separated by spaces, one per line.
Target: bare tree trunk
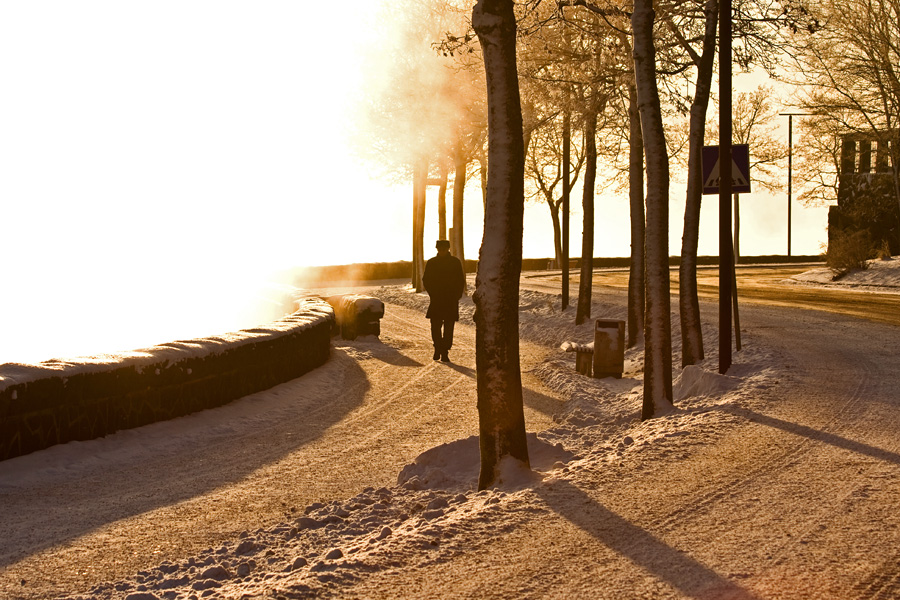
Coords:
pixel 567 150
pixel 636 280
pixel 442 206
pixel 459 190
pixel 499 380
pixel 657 324
pixel 688 299
pixel 420 182
pixel 583 310
pixel 557 234
pixel 895 170
pixel 737 229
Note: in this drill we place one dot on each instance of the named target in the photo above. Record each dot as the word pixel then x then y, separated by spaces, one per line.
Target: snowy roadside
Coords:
pixel 882 276
pixel 434 512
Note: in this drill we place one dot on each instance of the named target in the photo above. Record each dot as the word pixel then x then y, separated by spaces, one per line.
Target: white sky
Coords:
pixel 160 155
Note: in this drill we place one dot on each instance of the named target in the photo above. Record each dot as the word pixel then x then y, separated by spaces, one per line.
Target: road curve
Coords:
pixel 756 284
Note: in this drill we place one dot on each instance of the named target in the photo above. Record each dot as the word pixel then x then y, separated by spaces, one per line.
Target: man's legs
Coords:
pixel 437 338
pixel 442 341
pixel 448 339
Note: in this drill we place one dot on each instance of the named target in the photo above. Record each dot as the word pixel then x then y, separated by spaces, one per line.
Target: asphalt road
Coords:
pixel 756 284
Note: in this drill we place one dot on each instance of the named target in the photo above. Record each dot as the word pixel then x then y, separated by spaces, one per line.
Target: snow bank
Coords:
pixel 455 466
pixel 356 314
pixel 882 275
pixel 696 381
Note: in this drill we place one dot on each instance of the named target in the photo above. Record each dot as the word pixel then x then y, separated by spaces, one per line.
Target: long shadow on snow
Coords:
pixel 392 356
pixel 816 435
pixel 174 458
pixel 542 403
pixel 689 576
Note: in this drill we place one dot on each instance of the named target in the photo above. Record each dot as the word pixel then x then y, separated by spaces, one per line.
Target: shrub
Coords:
pixel 848 251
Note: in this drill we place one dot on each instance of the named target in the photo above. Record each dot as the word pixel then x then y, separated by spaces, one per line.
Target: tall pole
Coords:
pixel 790 166
pixel 790 117
pixel 726 261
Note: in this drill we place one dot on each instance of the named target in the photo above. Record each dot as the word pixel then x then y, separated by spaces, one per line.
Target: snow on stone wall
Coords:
pixel 58 401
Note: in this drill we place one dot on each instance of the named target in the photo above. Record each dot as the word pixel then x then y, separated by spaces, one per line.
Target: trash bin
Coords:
pixel 609 348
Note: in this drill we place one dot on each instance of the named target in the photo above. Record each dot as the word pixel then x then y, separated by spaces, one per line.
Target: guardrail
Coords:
pixel 54 402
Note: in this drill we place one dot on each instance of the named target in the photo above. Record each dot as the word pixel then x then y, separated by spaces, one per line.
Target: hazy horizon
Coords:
pixel 141 177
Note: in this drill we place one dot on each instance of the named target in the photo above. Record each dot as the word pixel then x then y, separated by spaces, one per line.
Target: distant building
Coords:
pixel 867 196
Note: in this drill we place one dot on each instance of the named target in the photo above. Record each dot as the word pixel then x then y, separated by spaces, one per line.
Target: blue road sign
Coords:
pixel 740 169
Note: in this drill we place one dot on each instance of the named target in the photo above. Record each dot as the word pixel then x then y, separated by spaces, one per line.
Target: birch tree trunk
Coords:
pixel 636 280
pixel 499 380
pixel 657 324
pixel 583 310
pixel 688 300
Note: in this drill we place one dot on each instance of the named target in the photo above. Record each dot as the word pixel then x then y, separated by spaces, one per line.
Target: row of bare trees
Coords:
pixel 564 85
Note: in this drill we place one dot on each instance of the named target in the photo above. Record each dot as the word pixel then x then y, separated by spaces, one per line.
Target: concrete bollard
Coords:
pixel 609 348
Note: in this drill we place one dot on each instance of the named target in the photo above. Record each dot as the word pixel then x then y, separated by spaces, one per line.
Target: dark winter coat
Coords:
pixel 444 281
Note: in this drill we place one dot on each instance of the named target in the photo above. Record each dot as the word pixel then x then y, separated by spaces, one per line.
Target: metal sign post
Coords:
pixel 740 183
pixel 726 263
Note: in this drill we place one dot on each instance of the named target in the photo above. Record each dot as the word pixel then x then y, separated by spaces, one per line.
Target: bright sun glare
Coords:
pixel 159 160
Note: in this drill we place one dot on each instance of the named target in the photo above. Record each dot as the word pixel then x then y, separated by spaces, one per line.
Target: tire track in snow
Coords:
pixel 815 459
pixel 883 584
pixel 787 458
pixel 707 502
pixel 423 376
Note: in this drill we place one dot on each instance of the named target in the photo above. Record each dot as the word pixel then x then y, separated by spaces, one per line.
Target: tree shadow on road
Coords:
pixel 816 435
pixel 542 403
pixel 531 398
pixel 634 544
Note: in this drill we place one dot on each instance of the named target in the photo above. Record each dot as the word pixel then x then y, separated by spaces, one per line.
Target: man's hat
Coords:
pixel 442 244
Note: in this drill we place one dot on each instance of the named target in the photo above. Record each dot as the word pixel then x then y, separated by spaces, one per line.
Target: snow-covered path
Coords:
pixel 779 480
pixel 83 513
pixel 799 499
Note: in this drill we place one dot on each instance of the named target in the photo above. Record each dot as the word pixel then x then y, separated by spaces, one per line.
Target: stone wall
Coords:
pixel 54 402
pixel 866 197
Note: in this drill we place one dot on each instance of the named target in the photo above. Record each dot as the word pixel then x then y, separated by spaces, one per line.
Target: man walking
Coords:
pixel 444 281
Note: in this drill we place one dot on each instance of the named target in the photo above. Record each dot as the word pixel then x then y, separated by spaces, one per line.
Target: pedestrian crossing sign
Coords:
pixel 740 169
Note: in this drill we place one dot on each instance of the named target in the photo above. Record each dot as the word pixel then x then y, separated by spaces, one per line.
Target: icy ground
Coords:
pixel 429 535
